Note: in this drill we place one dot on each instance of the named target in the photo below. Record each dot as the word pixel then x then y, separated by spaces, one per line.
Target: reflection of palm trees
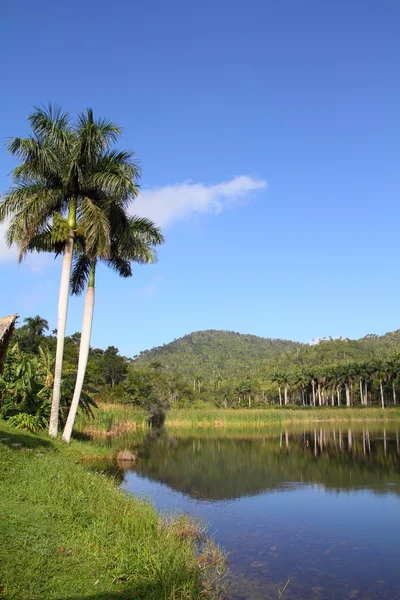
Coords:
pixel 217 469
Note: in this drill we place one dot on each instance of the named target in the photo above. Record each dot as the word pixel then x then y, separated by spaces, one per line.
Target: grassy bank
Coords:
pixel 69 533
pixel 113 419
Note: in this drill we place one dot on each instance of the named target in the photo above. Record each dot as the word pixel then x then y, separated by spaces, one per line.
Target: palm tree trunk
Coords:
pixel 361 393
pixel 83 353
pixel 319 394
pixel 280 396
pixel 286 394
pixel 313 391
pixel 347 394
pixel 62 319
pixel 394 393
pixel 381 389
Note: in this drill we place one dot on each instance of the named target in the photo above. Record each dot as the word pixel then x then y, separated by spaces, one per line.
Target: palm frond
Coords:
pixel 122 267
pixel 116 175
pixel 80 273
pixel 41 159
pixel 99 131
pixel 147 230
pixel 31 208
pixel 93 221
pixel 50 124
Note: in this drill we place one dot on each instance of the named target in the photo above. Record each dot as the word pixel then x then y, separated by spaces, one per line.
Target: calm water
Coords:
pixel 319 507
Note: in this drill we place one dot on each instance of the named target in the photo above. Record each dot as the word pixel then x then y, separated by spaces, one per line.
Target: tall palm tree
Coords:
pixel 67 169
pixel 134 244
pixel 36 325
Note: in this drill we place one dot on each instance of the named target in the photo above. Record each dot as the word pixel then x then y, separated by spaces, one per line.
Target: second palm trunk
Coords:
pixel 83 354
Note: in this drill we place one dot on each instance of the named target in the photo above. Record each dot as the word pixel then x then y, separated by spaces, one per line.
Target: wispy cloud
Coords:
pixel 149 290
pixel 171 203
pixel 6 254
pixel 36 262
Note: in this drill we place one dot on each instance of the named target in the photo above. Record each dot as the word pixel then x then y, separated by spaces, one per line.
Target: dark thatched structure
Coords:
pixel 7 325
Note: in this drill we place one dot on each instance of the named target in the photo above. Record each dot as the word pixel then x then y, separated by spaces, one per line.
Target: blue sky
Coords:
pixel 220 99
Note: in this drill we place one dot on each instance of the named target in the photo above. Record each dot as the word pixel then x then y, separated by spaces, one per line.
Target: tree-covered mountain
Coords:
pixel 210 353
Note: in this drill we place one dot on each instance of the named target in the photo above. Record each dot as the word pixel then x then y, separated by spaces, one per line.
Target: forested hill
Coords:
pixel 211 353
pixel 226 354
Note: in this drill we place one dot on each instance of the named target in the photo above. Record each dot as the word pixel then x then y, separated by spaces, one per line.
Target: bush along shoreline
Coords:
pixel 77 534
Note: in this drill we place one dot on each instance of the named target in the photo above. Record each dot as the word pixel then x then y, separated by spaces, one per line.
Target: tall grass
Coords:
pixel 69 533
pixel 111 418
pixel 275 416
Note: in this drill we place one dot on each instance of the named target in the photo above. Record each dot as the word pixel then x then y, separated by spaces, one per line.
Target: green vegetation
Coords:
pixel 116 419
pixel 369 387
pixel 229 369
pixel 206 355
pixel 68 532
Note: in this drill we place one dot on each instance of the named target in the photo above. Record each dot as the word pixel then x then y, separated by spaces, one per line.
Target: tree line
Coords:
pixel 27 382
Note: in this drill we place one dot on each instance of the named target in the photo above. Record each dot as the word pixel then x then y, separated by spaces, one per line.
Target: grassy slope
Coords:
pixel 67 533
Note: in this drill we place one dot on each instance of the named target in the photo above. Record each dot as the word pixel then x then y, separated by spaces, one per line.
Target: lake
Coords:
pixel 317 507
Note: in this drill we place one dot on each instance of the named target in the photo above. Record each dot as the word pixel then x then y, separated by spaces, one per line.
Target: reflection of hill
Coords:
pixel 217 469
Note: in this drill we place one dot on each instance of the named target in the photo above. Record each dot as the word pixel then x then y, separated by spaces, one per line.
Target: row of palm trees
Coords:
pixel 70 196
pixel 341 384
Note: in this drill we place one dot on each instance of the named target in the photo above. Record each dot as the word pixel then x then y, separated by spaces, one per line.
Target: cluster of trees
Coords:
pixel 70 196
pixel 26 384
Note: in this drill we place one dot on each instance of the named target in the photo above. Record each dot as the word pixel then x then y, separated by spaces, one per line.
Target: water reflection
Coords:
pixel 317 506
pixel 221 468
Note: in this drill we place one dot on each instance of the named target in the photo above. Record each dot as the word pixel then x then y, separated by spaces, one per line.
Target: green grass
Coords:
pixel 111 419
pixel 68 533
pixel 110 416
pixel 275 416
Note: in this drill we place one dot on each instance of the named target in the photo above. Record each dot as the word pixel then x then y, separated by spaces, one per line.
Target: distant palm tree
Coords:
pixel 301 378
pixel 36 325
pixel 392 369
pixel 132 244
pixel 278 378
pixel 70 169
pixel 380 373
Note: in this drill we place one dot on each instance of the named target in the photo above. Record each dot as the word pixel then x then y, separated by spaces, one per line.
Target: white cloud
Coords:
pixel 168 204
pixel 149 290
pixel 6 254
pixel 36 262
